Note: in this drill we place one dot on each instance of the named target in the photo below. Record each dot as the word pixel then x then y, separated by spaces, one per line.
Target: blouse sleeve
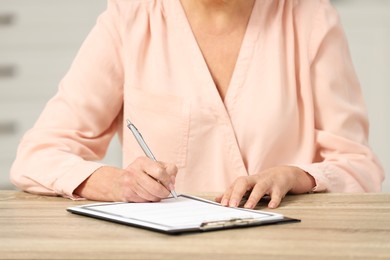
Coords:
pixel 77 124
pixel 344 161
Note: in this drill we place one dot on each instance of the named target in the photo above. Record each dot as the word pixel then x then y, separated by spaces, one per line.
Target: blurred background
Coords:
pixel 39 39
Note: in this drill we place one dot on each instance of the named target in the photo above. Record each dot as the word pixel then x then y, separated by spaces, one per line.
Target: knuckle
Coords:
pixel 159 172
pixel 238 183
pixel 241 179
pixel 139 160
pixel 277 193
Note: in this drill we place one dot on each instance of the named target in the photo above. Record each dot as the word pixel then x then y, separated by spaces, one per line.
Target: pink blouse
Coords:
pixel 293 99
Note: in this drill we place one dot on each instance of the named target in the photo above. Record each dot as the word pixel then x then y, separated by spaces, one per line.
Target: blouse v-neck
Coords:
pixel 242 63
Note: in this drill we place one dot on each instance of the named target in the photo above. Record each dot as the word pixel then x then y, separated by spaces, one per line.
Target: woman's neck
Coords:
pixel 218 15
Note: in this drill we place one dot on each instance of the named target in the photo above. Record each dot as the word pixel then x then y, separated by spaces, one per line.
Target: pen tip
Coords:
pixel 174 194
pixel 128 122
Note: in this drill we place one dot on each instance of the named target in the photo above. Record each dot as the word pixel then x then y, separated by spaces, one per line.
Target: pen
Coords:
pixel 145 148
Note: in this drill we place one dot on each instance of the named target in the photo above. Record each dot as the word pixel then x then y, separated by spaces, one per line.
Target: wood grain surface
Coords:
pixel 334 226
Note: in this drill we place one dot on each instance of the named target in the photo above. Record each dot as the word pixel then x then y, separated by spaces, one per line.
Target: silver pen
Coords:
pixel 144 147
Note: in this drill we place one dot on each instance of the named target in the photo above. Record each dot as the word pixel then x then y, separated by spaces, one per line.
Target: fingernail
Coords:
pixel 171 186
pixel 225 202
pixel 233 203
pixel 272 205
pixel 248 205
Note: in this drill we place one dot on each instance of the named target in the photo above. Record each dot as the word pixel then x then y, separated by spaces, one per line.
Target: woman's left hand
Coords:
pixel 275 182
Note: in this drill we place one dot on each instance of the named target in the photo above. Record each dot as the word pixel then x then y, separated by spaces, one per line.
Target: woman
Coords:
pixel 232 96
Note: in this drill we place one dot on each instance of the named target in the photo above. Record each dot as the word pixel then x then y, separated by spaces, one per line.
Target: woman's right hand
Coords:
pixel 144 180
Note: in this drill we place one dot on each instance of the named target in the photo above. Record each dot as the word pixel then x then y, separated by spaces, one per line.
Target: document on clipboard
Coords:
pixel 181 215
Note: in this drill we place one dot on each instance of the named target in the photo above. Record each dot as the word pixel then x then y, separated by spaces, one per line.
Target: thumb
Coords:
pixel 171 170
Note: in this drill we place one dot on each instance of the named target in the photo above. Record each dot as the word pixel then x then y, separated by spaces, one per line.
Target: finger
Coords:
pixel 173 182
pixel 128 188
pixel 219 198
pixel 149 188
pixel 124 186
pixel 258 191
pixel 157 171
pixel 226 196
pixel 148 192
pixel 135 185
pixel 276 198
pixel 131 196
pixel 171 170
pixel 241 186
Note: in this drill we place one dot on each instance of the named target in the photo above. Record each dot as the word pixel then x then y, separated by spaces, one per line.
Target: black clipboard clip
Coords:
pixel 230 223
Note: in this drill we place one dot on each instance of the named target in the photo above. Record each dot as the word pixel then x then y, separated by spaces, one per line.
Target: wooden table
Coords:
pixel 334 226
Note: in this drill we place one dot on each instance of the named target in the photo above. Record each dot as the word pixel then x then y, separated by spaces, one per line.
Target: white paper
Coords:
pixel 171 213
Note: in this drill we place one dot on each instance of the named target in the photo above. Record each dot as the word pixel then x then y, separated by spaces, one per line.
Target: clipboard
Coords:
pixel 183 215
